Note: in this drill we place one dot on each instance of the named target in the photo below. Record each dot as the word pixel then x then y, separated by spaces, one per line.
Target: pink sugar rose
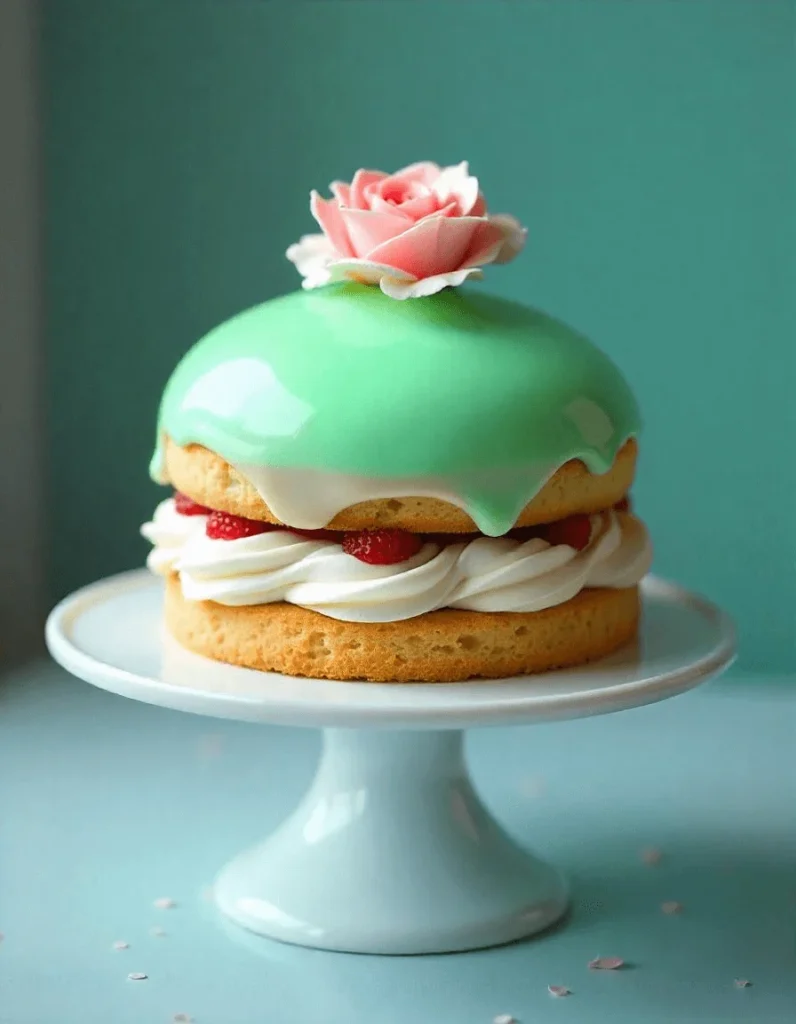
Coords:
pixel 413 233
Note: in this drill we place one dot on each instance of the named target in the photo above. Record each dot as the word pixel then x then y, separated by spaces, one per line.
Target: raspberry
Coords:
pixel 624 505
pixel 382 547
pixel 188 507
pixel 575 531
pixel 224 526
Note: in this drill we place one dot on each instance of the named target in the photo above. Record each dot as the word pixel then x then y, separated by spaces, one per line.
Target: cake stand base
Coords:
pixel 391 851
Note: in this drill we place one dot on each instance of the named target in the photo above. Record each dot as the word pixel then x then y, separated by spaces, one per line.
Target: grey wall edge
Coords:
pixel 22 542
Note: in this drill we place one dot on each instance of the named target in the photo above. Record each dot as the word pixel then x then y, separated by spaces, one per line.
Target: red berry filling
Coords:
pixel 624 505
pixel 188 507
pixel 382 547
pixel 575 531
pixel 224 526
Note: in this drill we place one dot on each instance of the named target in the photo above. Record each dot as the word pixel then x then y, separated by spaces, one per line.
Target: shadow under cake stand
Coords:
pixel 391 850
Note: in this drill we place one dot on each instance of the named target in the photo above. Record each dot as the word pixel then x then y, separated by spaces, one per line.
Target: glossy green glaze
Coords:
pixel 485 393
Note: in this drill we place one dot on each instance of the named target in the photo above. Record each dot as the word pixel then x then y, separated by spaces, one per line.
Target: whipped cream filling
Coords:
pixel 488 574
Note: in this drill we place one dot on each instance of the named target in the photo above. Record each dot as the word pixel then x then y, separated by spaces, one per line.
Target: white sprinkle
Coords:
pixel 121 944
pixel 157 932
pixel 672 907
pixel 606 963
pixel 165 903
pixel 136 976
pixel 182 1018
pixel 742 983
pixel 559 991
pixel 651 856
pixel 504 1018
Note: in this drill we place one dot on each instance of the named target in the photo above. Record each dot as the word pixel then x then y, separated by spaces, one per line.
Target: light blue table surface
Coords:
pixel 106 805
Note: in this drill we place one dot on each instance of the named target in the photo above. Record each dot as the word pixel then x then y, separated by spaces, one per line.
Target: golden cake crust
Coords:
pixel 441 646
pixel 212 481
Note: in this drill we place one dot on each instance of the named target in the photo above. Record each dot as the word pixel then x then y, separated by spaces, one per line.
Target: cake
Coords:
pixel 385 476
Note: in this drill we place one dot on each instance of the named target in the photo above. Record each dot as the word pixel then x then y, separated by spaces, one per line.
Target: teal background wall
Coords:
pixel 649 147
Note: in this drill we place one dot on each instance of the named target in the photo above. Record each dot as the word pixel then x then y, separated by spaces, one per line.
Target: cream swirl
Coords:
pixel 169 533
pixel 489 574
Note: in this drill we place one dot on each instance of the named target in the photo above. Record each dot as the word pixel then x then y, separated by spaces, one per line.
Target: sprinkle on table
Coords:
pixel 606 963
pixel 121 944
pixel 136 976
pixel 165 903
pixel 672 907
pixel 559 991
pixel 651 856
pixel 504 1018
pixel 182 1018
pixel 742 983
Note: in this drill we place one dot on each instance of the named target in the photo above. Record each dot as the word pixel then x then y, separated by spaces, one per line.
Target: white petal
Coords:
pixel 398 289
pixel 364 271
pixel 514 236
pixel 311 256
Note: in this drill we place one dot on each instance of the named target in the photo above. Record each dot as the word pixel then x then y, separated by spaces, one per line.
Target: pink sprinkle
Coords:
pixel 651 856
pixel 606 963
pixel 742 983
pixel 136 976
pixel 672 907
pixel 121 944
pixel 165 903
pixel 559 991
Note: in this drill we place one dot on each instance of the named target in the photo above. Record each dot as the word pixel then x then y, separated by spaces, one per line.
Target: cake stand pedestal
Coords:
pixel 391 850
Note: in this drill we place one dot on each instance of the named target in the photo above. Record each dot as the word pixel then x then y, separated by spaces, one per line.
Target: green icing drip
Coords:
pixel 458 385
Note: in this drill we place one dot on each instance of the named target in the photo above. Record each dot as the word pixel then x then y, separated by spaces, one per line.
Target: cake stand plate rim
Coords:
pixel 109 634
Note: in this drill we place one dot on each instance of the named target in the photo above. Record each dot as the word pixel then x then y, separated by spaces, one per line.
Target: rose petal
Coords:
pixel 485 246
pixel 327 214
pixel 479 208
pixel 457 183
pixel 368 229
pixel 136 976
pixel 559 991
pixel 435 245
pixel 341 191
pixel 411 210
pixel 606 963
pixel 364 271
pixel 362 179
pixel 514 235
pixel 425 171
pixel 398 289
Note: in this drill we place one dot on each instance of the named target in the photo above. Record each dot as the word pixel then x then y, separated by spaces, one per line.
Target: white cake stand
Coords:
pixel 391 850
